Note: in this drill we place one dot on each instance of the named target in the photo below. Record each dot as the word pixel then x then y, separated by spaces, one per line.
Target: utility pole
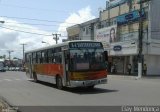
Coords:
pixel 9 52
pixel 140 57
pixel 56 38
pixel 23 49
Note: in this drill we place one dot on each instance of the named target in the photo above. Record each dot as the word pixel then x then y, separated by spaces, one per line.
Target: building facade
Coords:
pixel 118 29
pixel 84 31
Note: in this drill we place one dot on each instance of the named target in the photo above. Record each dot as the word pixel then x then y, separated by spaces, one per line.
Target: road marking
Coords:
pixel 7 79
pixel 17 79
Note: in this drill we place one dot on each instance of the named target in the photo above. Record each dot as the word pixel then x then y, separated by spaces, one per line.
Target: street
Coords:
pixel 18 90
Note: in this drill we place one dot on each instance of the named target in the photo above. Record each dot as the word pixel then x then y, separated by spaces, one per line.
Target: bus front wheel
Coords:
pixel 59 82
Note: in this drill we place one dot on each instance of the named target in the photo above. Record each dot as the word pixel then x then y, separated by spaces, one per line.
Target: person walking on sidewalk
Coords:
pixel 129 69
pixel 145 69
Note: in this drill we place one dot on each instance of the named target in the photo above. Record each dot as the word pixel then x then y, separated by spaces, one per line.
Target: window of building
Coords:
pixel 84 29
pixel 87 31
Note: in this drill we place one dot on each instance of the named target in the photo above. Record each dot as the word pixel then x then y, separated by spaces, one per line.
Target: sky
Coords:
pixel 34 21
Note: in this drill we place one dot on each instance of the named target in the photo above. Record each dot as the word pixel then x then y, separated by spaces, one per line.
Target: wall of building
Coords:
pixel 154 19
pixel 152 46
pixel 104 15
pixel 86 32
pixel 114 12
pixel 124 8
pixel 153 62
pixel 73 30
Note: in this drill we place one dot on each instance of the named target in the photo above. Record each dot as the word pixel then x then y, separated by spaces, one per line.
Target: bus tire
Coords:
pixel 35 77
pixel 59 82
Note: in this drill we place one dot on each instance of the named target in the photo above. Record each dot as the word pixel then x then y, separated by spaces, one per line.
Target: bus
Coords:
pixel 69 64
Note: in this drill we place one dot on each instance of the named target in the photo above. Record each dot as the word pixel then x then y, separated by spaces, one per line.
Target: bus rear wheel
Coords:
pixel 59 82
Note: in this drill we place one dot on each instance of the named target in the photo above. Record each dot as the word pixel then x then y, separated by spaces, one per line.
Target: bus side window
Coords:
pixel 42 57
pixel 46 56
pixel 34 58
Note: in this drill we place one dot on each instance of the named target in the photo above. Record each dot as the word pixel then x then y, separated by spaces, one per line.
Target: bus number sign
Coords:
pixel 85 45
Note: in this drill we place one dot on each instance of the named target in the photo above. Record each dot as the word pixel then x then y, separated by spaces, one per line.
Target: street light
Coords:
pixel 2 22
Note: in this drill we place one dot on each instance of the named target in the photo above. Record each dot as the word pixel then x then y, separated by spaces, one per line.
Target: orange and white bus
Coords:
pixel 70 64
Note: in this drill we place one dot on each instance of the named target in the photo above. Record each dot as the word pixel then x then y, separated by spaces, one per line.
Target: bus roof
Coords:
pixel 59 45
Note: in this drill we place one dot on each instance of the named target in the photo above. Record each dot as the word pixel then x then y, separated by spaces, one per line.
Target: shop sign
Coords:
pixel 117 48
pixel 129 36
pixel 130 17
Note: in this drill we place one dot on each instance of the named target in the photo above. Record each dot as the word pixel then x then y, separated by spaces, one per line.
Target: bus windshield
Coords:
pixel 83 59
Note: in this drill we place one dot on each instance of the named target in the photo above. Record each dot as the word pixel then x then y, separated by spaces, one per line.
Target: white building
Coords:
pixel 124 16
pixel 121 18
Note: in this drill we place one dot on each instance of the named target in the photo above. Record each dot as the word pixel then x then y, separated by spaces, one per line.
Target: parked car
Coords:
pixel 2 67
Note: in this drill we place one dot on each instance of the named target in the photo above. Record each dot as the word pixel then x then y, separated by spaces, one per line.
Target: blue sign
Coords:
pixel 85 45
pixel 117 48
pixel 129 17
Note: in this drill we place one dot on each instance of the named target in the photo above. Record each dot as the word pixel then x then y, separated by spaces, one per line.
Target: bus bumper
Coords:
pixel 87 82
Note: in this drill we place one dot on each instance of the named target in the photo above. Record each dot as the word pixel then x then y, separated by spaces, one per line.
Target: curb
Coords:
pixel 5 107
pixel 123 77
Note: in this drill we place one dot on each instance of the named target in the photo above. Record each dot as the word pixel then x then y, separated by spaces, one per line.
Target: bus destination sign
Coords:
pixel 85 45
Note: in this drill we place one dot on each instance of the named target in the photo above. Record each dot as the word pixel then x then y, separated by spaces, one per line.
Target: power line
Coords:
pixel 34 19
pixel 27 32
pixel 48 25
pixel 33 28
pixel 31 8
pixel 24 31
pixel 46 34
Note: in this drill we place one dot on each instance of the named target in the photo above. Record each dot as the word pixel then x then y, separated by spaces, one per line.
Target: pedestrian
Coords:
pixel 144 69
pixel 129 69
pixel 113 68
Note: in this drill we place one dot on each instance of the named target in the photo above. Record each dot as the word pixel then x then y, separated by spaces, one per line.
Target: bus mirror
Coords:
pixel 106 55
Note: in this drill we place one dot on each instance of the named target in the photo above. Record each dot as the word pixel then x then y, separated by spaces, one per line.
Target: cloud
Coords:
pixel 11 38
pixel 81 16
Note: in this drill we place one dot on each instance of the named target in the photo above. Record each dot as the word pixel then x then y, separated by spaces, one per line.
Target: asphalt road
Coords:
pixel 18 90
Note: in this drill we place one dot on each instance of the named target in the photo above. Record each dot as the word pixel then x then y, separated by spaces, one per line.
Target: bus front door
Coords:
pixel 30 66
pixel 65 62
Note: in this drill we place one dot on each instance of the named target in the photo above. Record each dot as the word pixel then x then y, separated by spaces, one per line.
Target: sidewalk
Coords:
pixel 5 107
pixel 126 76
